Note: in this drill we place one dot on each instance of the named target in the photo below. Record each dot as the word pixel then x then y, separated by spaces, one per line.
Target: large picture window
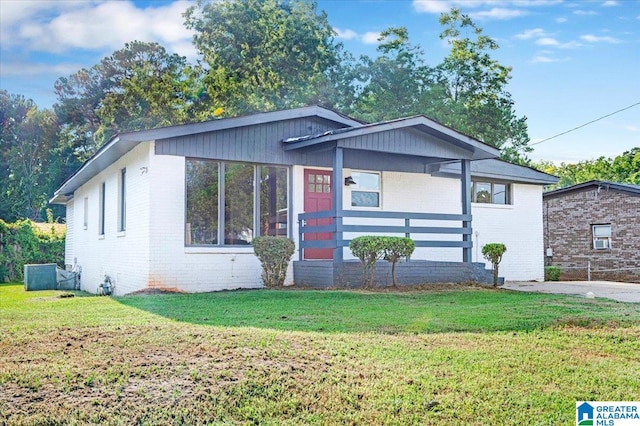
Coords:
pixel 491 192
pixel 232 203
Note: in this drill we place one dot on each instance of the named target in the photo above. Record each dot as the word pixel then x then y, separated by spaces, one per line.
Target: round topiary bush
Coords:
pixel 274 254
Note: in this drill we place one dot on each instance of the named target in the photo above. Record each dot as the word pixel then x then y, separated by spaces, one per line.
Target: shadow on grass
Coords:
pixel 471 310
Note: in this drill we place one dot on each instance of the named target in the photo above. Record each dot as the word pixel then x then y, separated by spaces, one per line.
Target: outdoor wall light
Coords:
pixel 349 181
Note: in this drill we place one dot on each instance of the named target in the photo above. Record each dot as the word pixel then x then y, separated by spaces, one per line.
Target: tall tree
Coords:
pixel 624 168
pixel 138 87
pixel 264 54
pixel 29 159
pixel 472 85
pixel 395 83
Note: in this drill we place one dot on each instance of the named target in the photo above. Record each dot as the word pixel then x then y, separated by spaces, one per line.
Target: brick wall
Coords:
pixel 124 256
pixel 568 219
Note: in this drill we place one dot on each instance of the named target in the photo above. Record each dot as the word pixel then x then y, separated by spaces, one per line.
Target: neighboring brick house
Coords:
pixel 596 222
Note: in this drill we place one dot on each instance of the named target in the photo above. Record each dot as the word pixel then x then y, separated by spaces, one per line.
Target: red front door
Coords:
pixel 318 196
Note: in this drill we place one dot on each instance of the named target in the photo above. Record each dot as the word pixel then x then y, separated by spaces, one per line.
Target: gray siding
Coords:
pixel 408 142
pixel 261 143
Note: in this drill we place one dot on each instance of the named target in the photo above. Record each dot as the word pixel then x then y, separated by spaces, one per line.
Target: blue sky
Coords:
pixel 573 61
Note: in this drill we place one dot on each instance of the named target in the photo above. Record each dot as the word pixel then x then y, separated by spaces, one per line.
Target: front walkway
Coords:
pixel 623 292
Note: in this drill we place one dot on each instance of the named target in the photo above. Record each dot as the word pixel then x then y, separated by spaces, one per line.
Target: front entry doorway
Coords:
pixel 318 196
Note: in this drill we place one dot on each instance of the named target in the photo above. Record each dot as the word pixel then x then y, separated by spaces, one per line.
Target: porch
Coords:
pixel 426 230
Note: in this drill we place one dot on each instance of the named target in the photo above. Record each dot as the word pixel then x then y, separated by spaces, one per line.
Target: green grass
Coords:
pixel 465 356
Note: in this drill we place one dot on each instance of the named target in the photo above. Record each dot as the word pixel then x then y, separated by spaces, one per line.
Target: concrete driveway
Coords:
pixel 623 292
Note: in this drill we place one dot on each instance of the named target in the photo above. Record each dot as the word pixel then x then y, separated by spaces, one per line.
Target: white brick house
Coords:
pixel 176 208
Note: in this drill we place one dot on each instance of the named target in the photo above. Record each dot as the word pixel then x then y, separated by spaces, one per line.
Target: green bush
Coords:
pixel 23 243
pixel 369 249
pixel 274 254
pixel 552 273
pixel 396 248
pixel 493 253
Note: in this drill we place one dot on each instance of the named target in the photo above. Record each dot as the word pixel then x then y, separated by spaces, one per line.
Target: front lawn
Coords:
pixel 462 356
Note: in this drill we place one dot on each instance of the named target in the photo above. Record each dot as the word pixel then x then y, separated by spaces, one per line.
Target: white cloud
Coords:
pixel 561 20
pixel 59 26
pixel 499 13
pixel 493 9
pixel 584 12
pixel 370 37
pixel 597 39
pixel 547 41
pixel 345 34
pixel 610 3
pixel 544 59
pixel 533 33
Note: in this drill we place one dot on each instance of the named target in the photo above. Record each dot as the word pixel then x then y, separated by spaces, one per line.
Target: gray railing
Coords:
pixel 337 228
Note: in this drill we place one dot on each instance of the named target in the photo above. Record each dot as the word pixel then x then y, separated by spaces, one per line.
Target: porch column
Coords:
pixel 338 184
pixel 465 176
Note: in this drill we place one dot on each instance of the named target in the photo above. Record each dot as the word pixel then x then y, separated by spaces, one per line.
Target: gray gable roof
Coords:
pixel 122 143
pixel 420 136
pixel 615 186
pixel 499 170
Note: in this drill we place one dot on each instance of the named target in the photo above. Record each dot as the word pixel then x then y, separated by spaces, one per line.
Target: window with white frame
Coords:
pixel 231 203
pixel 491 192
pixel 85 220
pixel 366 190
pixel 601 236
pixel 103 193
pixel 122 201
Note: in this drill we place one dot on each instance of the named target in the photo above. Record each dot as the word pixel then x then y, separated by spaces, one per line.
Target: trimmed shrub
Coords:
pixel 368 249
pixel 493 253
pixel 274 254
pixel 552 273
pixel 23 243
pixel 395 248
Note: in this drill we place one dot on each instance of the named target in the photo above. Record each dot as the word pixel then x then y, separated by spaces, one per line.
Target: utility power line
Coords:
pixel 585 124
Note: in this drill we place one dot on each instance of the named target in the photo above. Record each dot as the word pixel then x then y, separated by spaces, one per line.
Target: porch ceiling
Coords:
pixel 413 136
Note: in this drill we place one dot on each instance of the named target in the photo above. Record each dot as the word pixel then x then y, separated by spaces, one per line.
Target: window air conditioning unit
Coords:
pixel 601 244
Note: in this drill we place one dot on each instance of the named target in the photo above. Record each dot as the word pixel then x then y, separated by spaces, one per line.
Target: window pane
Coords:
pixel 273 201
pixel 482 192
pixel 370 181
pixel 499 193
pixel 602 230
pixel 202 202
pixel 238 203
pixel 365 199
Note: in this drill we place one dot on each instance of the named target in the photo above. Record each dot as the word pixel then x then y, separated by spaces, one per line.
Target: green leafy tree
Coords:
pixel 264 54
pixel 31 162
pixel 471 89
pixel 396 82
pixel 138 87
pixel 624 168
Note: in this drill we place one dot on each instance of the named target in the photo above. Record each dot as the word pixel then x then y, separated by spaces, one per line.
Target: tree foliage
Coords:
pixel 31 161
pixel 263 54
pixel 624 168
pixel 274 254
pixel 138 87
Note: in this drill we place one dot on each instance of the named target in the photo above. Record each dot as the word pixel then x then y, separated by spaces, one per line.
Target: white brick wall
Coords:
pixel 68 241
pixel 122 255
pixel 191 269
pixel 519 227
pixel 151 252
